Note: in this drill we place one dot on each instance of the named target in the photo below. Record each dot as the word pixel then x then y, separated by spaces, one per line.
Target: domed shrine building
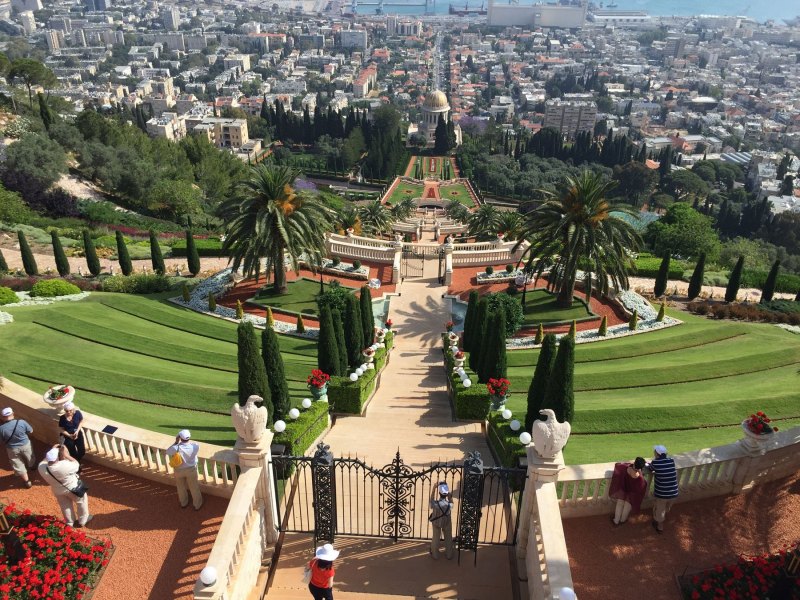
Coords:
pixel 435 105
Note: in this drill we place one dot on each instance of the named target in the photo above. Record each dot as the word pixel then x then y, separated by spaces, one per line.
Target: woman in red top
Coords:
pixel 628 488
pixel 321 584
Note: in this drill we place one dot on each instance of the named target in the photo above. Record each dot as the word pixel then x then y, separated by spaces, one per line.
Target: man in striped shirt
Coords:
pixel 665 485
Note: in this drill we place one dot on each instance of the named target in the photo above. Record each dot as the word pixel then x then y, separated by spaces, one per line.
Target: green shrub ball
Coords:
pixel 7 296
pixel 49 288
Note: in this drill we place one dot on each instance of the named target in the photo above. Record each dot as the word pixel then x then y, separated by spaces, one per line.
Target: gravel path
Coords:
pixel 644 285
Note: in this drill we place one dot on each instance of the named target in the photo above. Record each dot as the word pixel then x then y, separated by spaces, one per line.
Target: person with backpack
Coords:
pixel 60 470
pixel 14 435
pixel 441 519
pixel 183 460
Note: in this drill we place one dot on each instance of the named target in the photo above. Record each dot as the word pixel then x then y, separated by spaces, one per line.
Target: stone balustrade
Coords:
pixel 127 448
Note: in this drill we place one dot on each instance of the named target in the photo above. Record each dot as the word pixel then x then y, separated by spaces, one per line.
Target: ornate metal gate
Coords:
pixel 331 497
pixel 413 263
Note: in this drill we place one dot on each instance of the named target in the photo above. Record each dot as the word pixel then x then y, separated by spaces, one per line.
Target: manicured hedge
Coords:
pixel 207 247
pixel 647 265
pixel 138 283
pixel 471 403
pixel 49 288
pixel 348 396
pixel 301 432
pixel 785 283
pixel 7 296
pixel 504 441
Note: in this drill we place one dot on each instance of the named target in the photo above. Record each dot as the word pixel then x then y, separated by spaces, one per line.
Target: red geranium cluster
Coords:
pixel 60 563
pixel 759 423
pixel 318 378
pixel 750 577
pixel 498 387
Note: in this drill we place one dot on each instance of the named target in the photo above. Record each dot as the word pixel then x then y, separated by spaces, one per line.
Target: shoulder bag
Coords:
pixel 307 572
pixel 12 433
pixel 176 460
pixel 79 490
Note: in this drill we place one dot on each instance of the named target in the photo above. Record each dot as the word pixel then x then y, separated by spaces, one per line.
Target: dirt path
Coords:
pixel 680 288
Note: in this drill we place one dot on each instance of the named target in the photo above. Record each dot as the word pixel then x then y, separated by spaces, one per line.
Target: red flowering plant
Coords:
pixel 58 392
pixel 762 576
pixel 449 325
pixel 388 323
pixel 498 387
pixel 57 562
pixel 459 355
pixel 759 423
pixel 318 379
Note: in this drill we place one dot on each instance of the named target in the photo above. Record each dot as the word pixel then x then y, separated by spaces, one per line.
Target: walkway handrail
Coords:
pixel 583 489
pixel 547 545
pixel 124 447
pixel 358 240
pixel 241 532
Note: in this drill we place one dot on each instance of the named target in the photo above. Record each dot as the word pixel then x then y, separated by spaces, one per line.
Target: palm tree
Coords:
pixel 375 218
pixel 266 218
pixel 348 219
pixel 484 222
pixel 457 211
pixel 403 209
pixel 578 230
pixel 510 223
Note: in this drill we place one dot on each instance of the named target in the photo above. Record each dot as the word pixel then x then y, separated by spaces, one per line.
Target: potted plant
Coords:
pixel 758 431
pixel 58 395
pixel 498 390
pixel 350 231
pixel 459 358
pixel 388 324
pixel 380 334
pixel 452 337
pixel 318 383
pixel 449 326
pixel 500 236
pixel 369 356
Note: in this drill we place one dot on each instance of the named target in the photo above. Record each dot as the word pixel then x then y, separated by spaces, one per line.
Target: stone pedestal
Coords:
pixel 539 470
pixel 257 454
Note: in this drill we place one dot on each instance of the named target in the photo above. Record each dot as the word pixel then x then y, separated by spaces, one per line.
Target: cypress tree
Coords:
pixel 469 320
pixel 239 310
pixel 479 330
pixel 91 254
pixel 3 263
pixel 696 282
pixel 560 396
pixel 62 263
pixel 734 281
pixel 192 257
pixel 493 360
pixel 603 327
pixel 769 284
pixel 662 310
pixel 539 335
pixel 212 303
pixel 301 327
pixel 573 329
pixel 338 326
pixel 28 261
pixel 662 277
pixel 252 376
pixel 796 298
pixel 353 334
pixel 276 376
pixel 185 293
pixel 541 375
pixel 367 320
pixel 155 255
pixel 123 256
pixel 328 359
pixel 634 321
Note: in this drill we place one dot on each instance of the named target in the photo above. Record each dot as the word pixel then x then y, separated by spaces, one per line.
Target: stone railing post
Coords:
pixel 448 260
pixel 397 244
pixel 539 470
pixel 748 467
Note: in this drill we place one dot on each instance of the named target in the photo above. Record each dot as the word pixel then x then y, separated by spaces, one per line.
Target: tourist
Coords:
pixel 183 459
pixel 665 486
pixel 14 435
pixel 321 571
pixel 60 470
pixel 441 520
pixel 628 487
pixel 72 432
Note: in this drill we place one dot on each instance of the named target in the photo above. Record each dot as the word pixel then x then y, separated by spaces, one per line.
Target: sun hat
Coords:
pixel 444 489
pixel 326 552
pixel 660 449
pixel 69 406
pixel 7 412
pixel 52 455
pixel 185 434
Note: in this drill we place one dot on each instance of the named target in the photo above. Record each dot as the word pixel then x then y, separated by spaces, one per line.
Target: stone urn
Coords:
pixel 452 339
pixel 58 396
pixel 319 393
pixel 369 357
pixel 250 421
pixel 756 442
pixel 458 362
pixel 498 402
pixel 380 335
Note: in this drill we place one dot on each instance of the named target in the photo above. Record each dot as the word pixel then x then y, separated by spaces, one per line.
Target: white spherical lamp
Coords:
pixel 525 438
pixel 467 383
pixel 306 403
pixel 353 376
pixel 364 367
pixel 294 413
pixel 566 593
pixel 515 425
pixel 279 426
pixel 208 576
pixel 506 414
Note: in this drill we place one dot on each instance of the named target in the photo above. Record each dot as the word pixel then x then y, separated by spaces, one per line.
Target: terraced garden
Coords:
pixel 139 360
pixel 687 387
pixel 541 307
pixel 405 190
pixel 456 191
pixel 301 297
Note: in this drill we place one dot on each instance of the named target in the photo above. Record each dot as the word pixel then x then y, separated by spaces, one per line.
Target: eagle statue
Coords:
pixel 549 436
pixel 250 421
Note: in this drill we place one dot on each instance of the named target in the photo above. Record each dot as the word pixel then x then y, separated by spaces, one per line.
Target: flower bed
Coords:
pixel 60 562
pixel 346 269
pixel 25 299
pixel 498 276
pixel 750 577
pixel 633 301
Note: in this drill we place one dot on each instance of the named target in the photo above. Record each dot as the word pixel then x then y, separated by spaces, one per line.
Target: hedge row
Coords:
pixel 348 396
pixel 301 432
pixel 138 283
pixel 744 312
pixel 504 441
pixel 208 247
pixel 785 283
pixel 647 265
pixel 472 403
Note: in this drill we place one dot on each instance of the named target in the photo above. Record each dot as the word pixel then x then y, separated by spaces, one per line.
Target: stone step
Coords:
pixel 302 594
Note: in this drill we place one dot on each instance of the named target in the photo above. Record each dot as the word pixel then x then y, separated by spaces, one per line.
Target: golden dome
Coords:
pixel 436 100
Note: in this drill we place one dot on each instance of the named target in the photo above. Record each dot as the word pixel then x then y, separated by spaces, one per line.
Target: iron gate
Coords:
pixel 330 497
pixel 413 263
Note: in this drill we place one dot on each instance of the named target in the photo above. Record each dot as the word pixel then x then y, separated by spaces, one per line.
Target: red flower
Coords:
pixel 318 378
pixel 498 387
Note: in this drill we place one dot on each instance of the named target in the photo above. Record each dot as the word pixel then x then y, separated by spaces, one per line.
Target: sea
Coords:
pixel 759 10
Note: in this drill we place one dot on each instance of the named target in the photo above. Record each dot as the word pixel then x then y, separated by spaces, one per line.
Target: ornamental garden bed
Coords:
pixel 55 561
pixel 353 397
pixel 300 299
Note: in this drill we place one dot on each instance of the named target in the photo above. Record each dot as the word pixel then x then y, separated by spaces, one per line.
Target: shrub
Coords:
pixel 239 310
pixel 696 281
pixel 634 321
pixel 573 329
pixel 512 307
pixel 192 257
pixel 48 288
pixel 785 283
pixel 300 433
pixel 276 374
pixel 156 258
pixel 509 268
pixel 336 261
pixel 348 396
pixel 334 296
pixel 341 345
pixel 470 403
pixel 769 285
pixel 139 283
pixel 185 293
pixel 301 327
pixel 270 318
pixel 356 265
pixel 28 261
pixel 123 256
pixel 62 264
pixel 734 281
pixel 90 252
pixel 662 277
pixel 661 311
pixel 479 329
pixel 7 296
pixel 539 335
pixel 204 247
pixel 3 263
pixel 504 441
pixel 252 375
pixel 489 270
pixel 603 326
pixel 212 303
pixel 647 265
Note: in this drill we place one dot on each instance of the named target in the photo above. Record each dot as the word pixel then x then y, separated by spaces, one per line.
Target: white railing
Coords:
pixel 405 227
pixel 124 447
pixel 358 240
pixel 547 560
pixel 382 255
pixel 448 268
pixel 239 544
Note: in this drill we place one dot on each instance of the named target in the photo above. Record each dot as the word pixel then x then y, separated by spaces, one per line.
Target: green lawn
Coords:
pixel 405 190
pixel 457 191
pixel 541 307
pixel 301 298
pixel 687 387
pixel 140 360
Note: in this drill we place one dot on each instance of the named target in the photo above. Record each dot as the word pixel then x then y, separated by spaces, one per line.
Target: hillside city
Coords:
pixel 406 299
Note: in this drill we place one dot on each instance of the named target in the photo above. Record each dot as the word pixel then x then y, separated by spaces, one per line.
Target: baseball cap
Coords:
pixel 7 412
pixel 660 449
pixel 52 455
pixel 185 434
pixel 444 489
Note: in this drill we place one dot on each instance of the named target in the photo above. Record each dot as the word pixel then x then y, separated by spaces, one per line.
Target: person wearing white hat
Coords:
pixel 665 485
pixel 441 519
pixel 320 570
pixel 71 431
pixel 60 470
pixel 183 459
pixel 14 436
